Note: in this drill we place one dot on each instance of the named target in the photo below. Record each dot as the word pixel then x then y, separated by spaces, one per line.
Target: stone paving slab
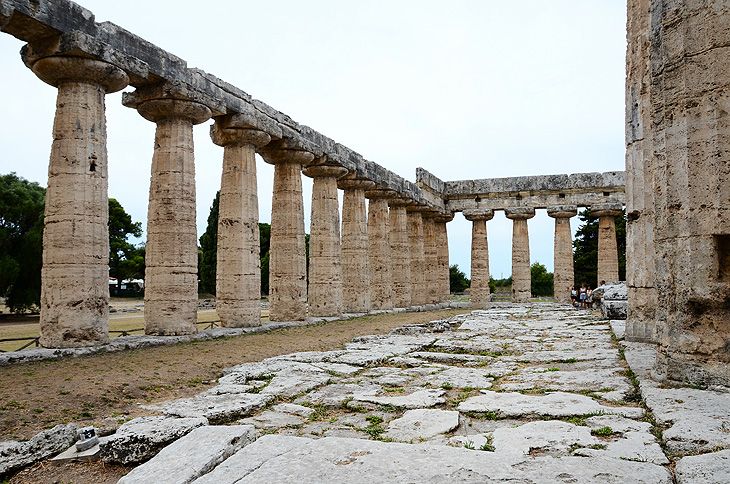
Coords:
pixel 358 461
pixel 192 456
pixel 422 424
pixel 711 468
pixel 215 408
pixel 609 382
pixel 555 404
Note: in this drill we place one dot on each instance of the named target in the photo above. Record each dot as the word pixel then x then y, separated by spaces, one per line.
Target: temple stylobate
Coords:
pixel 391 249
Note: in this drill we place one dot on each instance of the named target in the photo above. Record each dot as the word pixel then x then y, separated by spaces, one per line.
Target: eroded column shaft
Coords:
pixel 75 273
pixel 443 279
pixel 607 248
pixel 379 253
pixel 416 250
pixel 238 269
pixel 431 260
pixel 563 274
pixel 355 272
pixel 325 267
pixel 400 256
pixel 480 294
pixel 521 277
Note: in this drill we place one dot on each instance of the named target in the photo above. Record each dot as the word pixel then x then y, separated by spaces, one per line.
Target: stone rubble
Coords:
pixel 548 398
pixel 15 455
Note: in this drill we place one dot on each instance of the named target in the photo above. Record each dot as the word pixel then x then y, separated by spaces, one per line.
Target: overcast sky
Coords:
pixel 465 89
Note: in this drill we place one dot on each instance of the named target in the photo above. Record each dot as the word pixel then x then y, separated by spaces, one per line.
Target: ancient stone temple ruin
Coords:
pixel 390 249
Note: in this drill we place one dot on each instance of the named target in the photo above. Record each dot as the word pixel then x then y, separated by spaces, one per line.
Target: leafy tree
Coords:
pixel 22 205
pixel 122 253
pixel 208 253
pixel 457 279
pixel 542 280
pixel 585 245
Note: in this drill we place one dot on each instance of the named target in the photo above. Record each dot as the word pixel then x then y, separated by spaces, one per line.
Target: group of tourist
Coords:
pixel 582 297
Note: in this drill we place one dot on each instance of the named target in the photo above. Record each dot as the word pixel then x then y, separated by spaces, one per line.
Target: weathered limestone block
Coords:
pixel 443 281
pixel 521 277
pixel 288 265
pixel 480 295
pixel 325 267
pixel 74 278
pixel 400 255
pixel 563 253
pixel 14 455
pixel 416 250
pixel 171 274
pixel 690 86
pixel 379 250
pixel 355 272
pixel 238 273
pixel 607 247
pixel 430 244
pixel 142 438
pixel 640 271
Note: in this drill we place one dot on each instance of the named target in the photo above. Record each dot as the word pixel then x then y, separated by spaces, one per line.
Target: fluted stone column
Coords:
pixel 442 258
pixel 379 250
pixel 238 270
pixel 430 244
pixel 171 257
pixel 400 255
pixel 355 272
pixel 607 247
pixel 690 88
pixel 640 272
pixel 75 274
pixel 563 275
pixel 288 263
pixel 521 277
pixel 416 250
pixel 325 266
pixel 480 295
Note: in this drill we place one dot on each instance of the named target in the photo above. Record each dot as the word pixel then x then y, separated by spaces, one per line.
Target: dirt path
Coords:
pixel 105 390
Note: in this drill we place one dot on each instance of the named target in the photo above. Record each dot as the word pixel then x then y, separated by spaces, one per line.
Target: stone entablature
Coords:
pixel 541 191
pixel 61 27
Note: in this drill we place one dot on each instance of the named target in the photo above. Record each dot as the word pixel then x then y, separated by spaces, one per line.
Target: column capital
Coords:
pixel 443 218
pixel 399 201
pixel 228 130
pixel 273 154
pixel 321 171
pixel 157 110
pixel 562 211
pixel 418 208
pixel 380 193
pixel 519 213
pixel 606 210
pixel 57 70
pixel 173 100
pixel 474 215
pixel 347 183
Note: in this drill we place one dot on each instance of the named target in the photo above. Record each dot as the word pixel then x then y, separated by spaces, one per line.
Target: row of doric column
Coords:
pixel 385 247
pixel 563 264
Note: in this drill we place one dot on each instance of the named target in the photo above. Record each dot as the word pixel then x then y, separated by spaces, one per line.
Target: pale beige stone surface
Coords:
pixel 480 295
pixel 325 267
pixel 521 277
pixel 563 279
pixel 607 248
pixel 417 269
pixel 430 258
pixel 171 257
pixel 400 255
pixel 238 269
pixel 379 250
pixel 75 273
pixel 640 269
pixel 443 286
pixel 355 271
pixel 288 263
pixel 690 88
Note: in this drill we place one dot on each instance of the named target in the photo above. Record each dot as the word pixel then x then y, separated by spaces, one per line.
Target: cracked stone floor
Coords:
pixel 517 393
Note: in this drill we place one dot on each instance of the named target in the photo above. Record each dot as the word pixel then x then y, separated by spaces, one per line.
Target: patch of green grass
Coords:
pixel 446 386
pixel 488 415
pixel 374 429
pixel 603 431
pixel 575 420
pixel 320 413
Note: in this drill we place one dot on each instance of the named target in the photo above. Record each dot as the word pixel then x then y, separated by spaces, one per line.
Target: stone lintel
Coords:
pixel 428 181
pixel 562 211
pixel 606 210
pixel 80 44
pixel 517 213
pixel 248 120
pixel 476 214
pixel 31 21
pixel 176 90
pixel 57 70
